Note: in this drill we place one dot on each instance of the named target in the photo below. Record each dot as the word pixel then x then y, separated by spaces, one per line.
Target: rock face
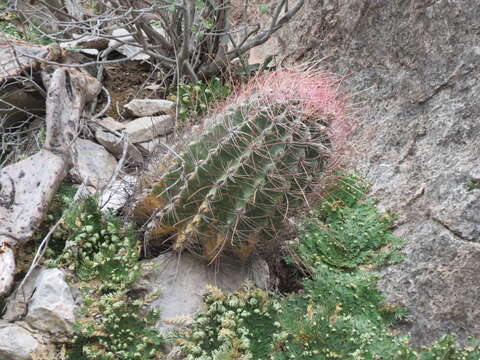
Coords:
pixel 181 281
pixel 16 343
pixel 415 67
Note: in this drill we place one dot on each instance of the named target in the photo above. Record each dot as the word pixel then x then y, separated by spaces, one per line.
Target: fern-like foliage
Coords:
pixel 234 326
pixel 340 313
pixel 102 256
pixel 347 230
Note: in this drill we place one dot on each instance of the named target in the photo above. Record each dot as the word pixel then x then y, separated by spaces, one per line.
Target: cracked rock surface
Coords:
pixel 414 66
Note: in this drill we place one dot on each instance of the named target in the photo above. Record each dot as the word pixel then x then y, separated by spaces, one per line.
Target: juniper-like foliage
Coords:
pixel 340 313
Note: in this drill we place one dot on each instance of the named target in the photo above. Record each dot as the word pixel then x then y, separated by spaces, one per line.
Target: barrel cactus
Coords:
pixel 234 185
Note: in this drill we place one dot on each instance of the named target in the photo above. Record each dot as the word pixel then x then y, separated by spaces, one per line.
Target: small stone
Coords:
pixel 80 41
pixel 52 306
pixel 17 302
pixel 148 128
pixel 94 162
pixel 111 124
pixel 115 145
pixel 114 197
pixel 127 50
pixel 153 145
pixel 91 52
pixel 16 343
pixel 148 107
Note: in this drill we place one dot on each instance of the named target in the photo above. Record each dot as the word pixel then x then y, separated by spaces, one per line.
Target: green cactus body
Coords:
pixel 233 187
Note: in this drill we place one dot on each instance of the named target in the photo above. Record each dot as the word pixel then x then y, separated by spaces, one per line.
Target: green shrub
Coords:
pixel 348 238
pixel 235 326
pixel 195 100
pixel 60 202
pixel 340 314
pixel 27 31
pixel 103 258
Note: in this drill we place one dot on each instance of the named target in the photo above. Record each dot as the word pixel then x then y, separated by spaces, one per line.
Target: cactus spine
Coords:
pixel 233 187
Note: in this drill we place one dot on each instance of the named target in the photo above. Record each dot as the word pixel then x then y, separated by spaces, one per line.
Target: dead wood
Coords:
pixel 27 187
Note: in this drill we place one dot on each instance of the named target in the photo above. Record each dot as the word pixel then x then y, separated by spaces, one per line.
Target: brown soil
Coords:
pixel 126 81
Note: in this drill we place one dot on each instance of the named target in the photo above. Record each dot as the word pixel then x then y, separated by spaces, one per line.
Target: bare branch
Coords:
pixel 264 35
pixel 27 187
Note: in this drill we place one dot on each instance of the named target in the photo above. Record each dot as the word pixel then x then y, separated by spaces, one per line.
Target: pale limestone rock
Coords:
pixel 52 306
pixel 111 124
pixel 89 42
pixel 94 162
pixel 148 107
pixel 115 196
pixel 16 343
pixel 181 281
pixel 17 302
pixel 115 145
pixel 148 128
pixel 154 145
pixel 127 50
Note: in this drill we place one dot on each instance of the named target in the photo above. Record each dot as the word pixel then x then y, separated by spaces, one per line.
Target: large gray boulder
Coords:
pixel 415 68
pixel 180 281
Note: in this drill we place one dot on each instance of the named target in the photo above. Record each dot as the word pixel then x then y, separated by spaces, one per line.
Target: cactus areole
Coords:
pixel 234 185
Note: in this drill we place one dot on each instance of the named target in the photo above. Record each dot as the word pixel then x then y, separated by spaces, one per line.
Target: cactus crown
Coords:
pixel 233 187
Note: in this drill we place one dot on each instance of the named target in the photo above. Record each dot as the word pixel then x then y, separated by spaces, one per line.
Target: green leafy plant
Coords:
pixel 346 232
pixel 60 202
pixel 195 100
pixel 103 258
pixel 234 326
pixel 27 32
pixel 263 9
pixel 473 184
pixel 8 28
pixel 340 313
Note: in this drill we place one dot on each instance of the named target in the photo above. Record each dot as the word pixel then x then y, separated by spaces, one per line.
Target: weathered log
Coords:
pixel 20 95
pixel 27 187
